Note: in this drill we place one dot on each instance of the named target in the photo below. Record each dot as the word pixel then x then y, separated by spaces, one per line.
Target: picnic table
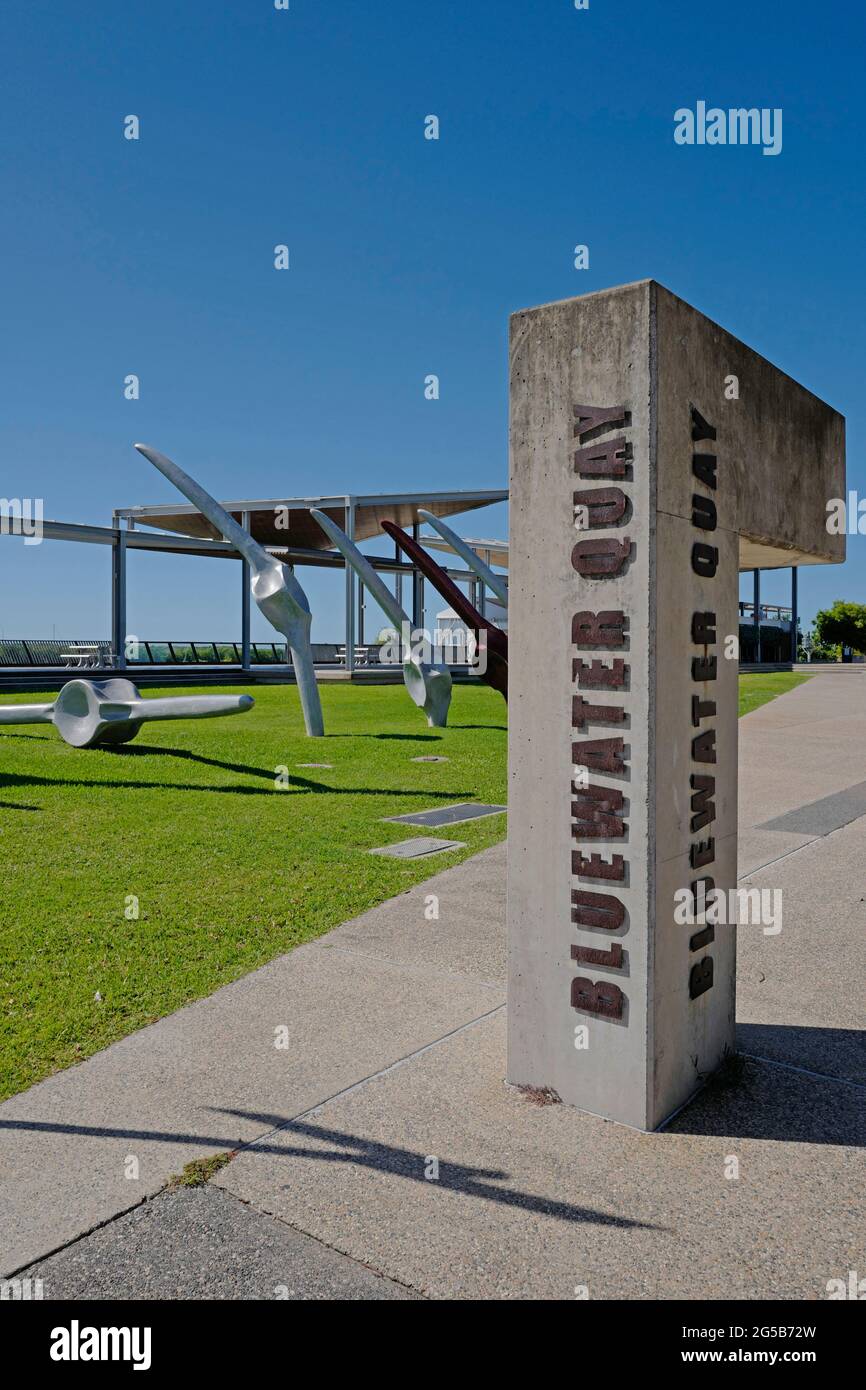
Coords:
pixel 81 655
pixel 362 655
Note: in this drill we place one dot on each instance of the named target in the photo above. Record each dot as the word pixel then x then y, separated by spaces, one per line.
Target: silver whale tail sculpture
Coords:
pixel 494 582
pixel 89 712
pixel 274 587
pixel 429 686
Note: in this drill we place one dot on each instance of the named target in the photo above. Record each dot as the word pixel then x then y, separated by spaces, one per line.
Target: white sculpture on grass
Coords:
pixel 89 712
pixel 495 582
pixel 429 686
pixel 274 587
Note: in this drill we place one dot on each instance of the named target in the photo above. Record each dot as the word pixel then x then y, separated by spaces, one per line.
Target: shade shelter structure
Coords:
pixel 285 527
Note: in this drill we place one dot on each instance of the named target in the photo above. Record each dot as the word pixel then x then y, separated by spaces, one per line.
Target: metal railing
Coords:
pixel 78 654
pixel 96 654
pixel 51 651
pixel 768 613
pixel 164 653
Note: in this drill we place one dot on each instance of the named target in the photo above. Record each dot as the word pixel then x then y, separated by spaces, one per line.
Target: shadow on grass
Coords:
pixel 21 780
pixel 298 784
pixel 497 728
pixel 149 750
pixel 402 738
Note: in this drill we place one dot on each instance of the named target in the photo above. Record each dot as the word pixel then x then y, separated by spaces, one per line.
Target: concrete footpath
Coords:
pixel 383 1156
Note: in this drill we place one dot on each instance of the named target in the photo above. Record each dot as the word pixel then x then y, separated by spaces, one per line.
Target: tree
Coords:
pixel 842 625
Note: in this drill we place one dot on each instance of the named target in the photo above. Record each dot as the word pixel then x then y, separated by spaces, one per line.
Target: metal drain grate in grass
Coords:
pixel 448 815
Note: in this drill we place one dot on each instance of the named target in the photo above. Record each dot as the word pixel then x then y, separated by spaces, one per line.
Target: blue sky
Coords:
pixel 306 127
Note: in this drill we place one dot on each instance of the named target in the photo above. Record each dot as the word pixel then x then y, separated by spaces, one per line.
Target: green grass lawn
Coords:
pixel 228 871
pixel 757 688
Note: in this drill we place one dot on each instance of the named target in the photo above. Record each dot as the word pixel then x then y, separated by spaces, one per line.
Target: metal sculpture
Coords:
pixel 274 587
pixel 429 686
pixel 86 713
pixel 494 582
pixel 493 640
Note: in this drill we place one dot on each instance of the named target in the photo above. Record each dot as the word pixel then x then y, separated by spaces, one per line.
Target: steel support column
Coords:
pixel 118 599
pixel 756 600
pixel 350 590
pixel 245 603
pixel 794 613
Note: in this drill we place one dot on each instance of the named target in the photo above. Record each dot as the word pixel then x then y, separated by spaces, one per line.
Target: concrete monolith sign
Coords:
pixel 653 456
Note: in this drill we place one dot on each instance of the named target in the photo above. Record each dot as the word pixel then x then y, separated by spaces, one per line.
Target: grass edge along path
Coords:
pixel 759 687
pixel 138 880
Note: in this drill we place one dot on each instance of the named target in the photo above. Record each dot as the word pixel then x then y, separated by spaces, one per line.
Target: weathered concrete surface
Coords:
pixel 800 993
pixel 823 816
pixel 208 1078
pixel 619 406
pixel 552 1205
pixel 795 750
pixel 554 366
pixel 535 1201
pixel 201 1243
pixel 783 447
pixel 467 938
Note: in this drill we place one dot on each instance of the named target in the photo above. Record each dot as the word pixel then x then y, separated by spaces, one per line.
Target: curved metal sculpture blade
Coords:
pixel 496 641
pixel 429 686
pixel 89 712
pixel 274 587
pixel 494 582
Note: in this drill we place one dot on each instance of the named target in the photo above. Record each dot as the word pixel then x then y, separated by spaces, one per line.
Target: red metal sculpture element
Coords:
pixel 490 637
